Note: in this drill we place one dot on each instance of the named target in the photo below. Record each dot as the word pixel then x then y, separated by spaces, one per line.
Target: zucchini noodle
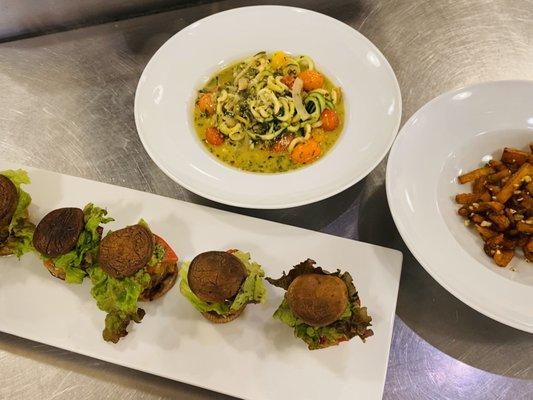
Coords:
pixel 266 99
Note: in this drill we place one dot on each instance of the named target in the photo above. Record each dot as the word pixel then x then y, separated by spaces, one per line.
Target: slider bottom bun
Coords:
pixel 5 251
pixel 222 319
pixel 54 271
pixel 162 287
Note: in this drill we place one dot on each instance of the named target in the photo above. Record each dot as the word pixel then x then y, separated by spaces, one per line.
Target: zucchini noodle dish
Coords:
pixel 269 113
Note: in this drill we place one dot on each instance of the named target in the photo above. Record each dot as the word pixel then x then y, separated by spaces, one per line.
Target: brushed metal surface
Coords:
pixel 67 105
pixel 20 18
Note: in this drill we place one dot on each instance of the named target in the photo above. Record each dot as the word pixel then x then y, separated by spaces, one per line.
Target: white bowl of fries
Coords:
pixel 474 238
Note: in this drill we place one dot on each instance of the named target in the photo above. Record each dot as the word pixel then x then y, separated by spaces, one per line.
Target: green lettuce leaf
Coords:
pixel 157 256
pixel 75 261
pixel 252 290
pixel 20 240
pixel 316 338
pixel 18 176
pixel 118 298
pixel 21 229
pixel 355 320
pixel 142 222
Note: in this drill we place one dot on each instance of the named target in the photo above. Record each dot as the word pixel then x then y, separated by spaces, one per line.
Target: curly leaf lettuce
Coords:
pixel 355 320
pixel 74 262
pixel 252 290
pixel 20 229
pixel 118 298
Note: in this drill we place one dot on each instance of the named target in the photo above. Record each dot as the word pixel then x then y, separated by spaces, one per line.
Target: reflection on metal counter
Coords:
pixel 75 89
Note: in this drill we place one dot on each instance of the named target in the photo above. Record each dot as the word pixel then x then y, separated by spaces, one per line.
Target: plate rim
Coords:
pixel 272 205
pixel 404 232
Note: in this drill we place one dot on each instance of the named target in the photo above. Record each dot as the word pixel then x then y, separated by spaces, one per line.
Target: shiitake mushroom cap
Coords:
pixel 317 299
pixel 124 252
pixel 8 200
pixel 215 276
pixel 58 231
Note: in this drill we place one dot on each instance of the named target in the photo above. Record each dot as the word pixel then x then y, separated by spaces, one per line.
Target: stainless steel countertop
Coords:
pixel 19 18
pixel 67 105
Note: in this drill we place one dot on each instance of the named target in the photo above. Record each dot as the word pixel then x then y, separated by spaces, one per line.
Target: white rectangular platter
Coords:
pixel 254 357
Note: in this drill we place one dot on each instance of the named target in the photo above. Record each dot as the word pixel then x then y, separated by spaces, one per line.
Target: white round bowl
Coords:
pixel 168 87
pixel 451 135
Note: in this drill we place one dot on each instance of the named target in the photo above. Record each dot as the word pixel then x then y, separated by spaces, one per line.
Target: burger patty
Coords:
pixel 317 299
pixel 58 231
pixel 216 276
pixel 162 278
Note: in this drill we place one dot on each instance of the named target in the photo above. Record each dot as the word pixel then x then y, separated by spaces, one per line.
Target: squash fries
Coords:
pixel 500 206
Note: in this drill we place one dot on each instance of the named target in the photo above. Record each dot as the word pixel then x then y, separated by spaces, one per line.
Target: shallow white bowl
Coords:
pixel 168 87
pixel 451 135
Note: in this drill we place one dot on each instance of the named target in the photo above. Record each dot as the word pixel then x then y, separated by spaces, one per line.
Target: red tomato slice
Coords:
pixel 170 256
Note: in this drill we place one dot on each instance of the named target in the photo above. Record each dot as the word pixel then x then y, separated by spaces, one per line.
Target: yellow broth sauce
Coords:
pixel 259 153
